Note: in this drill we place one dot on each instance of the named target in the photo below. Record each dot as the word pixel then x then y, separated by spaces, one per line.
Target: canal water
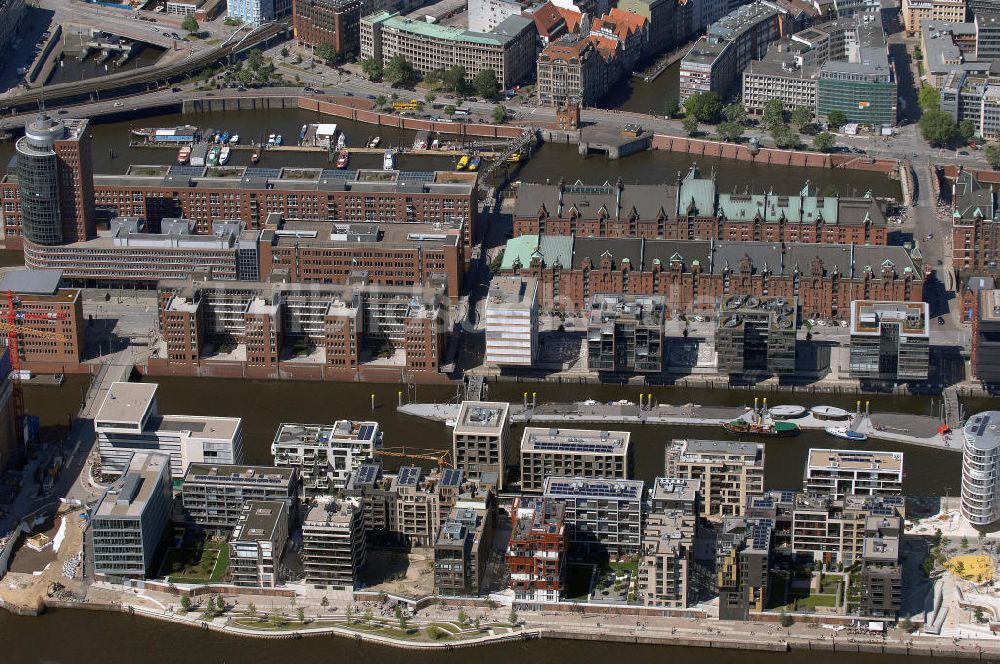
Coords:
pixel 654 98
pixel 112 154
pixel 72 69
pixel 83 637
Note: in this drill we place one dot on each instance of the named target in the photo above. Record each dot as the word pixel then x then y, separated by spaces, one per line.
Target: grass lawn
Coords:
pixel 625 567
pixel 196 565
pixel 578 581
pixel 813 601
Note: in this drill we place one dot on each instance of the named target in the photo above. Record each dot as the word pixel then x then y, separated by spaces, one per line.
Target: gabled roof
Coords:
pixel 548 21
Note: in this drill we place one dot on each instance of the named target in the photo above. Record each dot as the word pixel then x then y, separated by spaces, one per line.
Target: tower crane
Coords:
pixel 12 325
pixel 441 457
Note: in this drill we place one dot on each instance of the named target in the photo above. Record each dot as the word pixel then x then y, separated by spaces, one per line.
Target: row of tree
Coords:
pixel 399 72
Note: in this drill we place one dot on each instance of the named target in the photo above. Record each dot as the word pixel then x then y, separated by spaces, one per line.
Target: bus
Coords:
pixel 462 112
pixel 405 105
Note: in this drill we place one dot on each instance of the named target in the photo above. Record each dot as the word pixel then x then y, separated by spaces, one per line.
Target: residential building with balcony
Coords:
pixel 258 544
pixel 213 494
pixel 667 554
pixel 463 545
pixel 981 469
pixel 625 333
pixel 537 550
pixel 512 321
pixel 729 472
pixel 325 455
pixel 743 566
pixel 573 453
pixel 603 517
pixel 858 472
pixel 481 440
pixel 334 544
pixel 890 341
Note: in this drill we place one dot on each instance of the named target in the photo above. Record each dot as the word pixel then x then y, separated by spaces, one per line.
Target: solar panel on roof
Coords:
pixel 256 172
pixel 574 447
pixel 186 170
pixel 340 175
pixel 415 176
pixel 365 432
pixel 451 477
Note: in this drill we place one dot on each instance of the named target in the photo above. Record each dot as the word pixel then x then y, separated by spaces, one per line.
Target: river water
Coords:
pixel 112 154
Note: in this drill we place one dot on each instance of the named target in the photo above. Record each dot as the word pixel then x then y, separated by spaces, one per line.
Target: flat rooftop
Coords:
pixel 867 317
pixel 586 487
pixel 855 460
pixel 575 441
pixel 345 234
pixel 198 426
pixel 237 474
pixel 513 291
pixel 482 417
pixel 721 448
pixel 989 304
pixel 128 496
pixel 644 309
pixel 259 521
pixel 341 431
pixel 674 488
pixel 332 512
pixel 126 403
pixel 881 548
pixel 34 282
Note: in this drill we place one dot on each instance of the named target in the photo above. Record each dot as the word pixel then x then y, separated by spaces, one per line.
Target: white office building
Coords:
pixel 841 473
pixel 326 454
pixel 129 421
pixel 512 321
pixel 981 469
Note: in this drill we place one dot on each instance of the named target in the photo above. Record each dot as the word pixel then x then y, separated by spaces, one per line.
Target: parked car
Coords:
pixel 940 320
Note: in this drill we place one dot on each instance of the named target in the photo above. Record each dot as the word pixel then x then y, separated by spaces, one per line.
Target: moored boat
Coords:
pixel 343 158
pixel 302 132
pixel 255 157
pixel 761 428
pixel 224 138
pixel 829 413
pixel 270 139
pixel 846 434
pixel 388 161
pixel 278 140
pixel 514 158
pixel 213 156
pixel 462 163
pixel 183 155
pixel 234 139
pixel 474 164
pixel 224 155
pixel 341 141
pixel 374 142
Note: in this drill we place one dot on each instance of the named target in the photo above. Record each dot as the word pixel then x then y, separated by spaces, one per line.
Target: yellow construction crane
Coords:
pixel 441 457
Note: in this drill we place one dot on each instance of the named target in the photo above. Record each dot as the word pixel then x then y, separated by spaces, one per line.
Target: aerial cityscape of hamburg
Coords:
pixel 414 330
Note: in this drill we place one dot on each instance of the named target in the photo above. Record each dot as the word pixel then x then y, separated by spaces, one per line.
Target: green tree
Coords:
pixel 735 113
pixel 836 119
pixel 774 113
pixel 966 130
pixel 730 131
pixel 325 51
pixel 824 141
pixel 801 116
pixel 400 72
pixel 978 613
pixel 255 59
pixel 185 604
pixel 400 617
pixel 284 51
pixel 220 603
pixel 449 110
pixel 372 68
pixel 189 23
pixel 245 77
pixel 513 617
pixel 453 79
pixel 906 625
pixel 928 98
pixel 380 101
pixel 704 106
pixel 277 618
pixel 784 137
pixel 300 613
pixel 325 602
pixel 690 124
pixel 485 84
pixel 252 610
pixel 785 619
pixel 499 114
pixel 368 616
pixel 938 128
pixel 462 616
pixel 430 97
pixel 993 156
pixel 349 614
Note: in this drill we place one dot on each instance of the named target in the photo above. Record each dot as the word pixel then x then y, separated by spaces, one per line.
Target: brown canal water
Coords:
pixel 66 636
pixel 263 405
pixel 112 154
pixel 655 97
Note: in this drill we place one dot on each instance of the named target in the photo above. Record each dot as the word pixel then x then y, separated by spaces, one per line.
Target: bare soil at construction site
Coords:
pixel 33 573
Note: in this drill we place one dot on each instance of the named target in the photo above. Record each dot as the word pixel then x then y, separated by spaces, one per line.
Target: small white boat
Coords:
pixel 388 161
pixel 341 141
pixel 829 413
pixel 846 434
pixel 270 139
pixel 235 139
pixel 450 423
pixel 374 142
pixel 786 412
pixel 224 156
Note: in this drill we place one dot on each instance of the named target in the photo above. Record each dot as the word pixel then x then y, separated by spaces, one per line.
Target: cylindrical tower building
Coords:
pixel 981 469
pixel 38 178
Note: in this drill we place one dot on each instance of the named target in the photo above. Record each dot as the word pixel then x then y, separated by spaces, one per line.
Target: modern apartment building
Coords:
pixel 881 569
pixel 981 469
pixel 537 550
pixel 666 559
pixel 845 472
pixel 913 12
pixel 463 545
pixel 574 70
pixel 729 472
pixel 423 502
pixel 54 181
pixel 756 335
pixel 512 321
pixel 691 207
pixel 11 13
pixel 341 330
pixel 127 526
pixel 334 544
pixel 129 421
pixel 508 49
pixel 743 566
pixel 718 59
pixel 890 341
pixel 781 74
pixel 863 85
pixel 213 494
pixel 54 311
pixel 603 517
pixel 378 502
pixel 986 336
pixel 987 24
pixel 258 544
pixel 325 455
pixel 675 494
pixel 573 453
pixel 334 22
pixel 625 333
pixel 481 440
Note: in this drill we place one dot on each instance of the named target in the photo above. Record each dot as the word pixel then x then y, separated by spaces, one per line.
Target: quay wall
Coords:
pixel 289 371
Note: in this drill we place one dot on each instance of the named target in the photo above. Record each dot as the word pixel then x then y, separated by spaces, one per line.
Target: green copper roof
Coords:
pixel 519 249
pixel 498 37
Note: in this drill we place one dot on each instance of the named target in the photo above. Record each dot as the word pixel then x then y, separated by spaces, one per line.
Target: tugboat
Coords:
pixel 183 155
pixel 759 427
pixel 343 158
pixel 846 434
